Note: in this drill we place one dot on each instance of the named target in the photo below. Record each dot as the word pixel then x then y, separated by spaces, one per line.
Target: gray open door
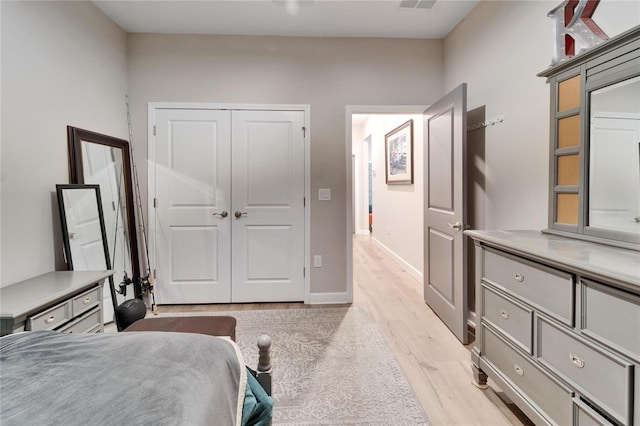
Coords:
pixel 445 275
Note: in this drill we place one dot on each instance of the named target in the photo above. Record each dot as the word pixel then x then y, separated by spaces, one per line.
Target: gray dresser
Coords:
pixel 67 301
pixel 558 326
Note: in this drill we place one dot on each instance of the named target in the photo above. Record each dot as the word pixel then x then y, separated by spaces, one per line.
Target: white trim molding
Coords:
pixel 330 298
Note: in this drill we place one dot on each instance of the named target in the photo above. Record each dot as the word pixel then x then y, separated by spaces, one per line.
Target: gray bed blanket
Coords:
pixel 50 378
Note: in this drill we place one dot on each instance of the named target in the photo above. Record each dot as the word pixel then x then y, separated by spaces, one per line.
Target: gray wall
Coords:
pixel 63 63
pixel 328 74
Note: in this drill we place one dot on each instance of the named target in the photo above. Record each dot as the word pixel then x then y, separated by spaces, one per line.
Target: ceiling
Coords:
pixel 301 18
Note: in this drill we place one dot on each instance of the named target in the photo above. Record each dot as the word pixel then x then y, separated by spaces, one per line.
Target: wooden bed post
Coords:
pixel 264 363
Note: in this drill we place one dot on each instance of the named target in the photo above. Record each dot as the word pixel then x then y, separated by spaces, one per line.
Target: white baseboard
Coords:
pixel 400 261
pixel 328 298
pixel 363 232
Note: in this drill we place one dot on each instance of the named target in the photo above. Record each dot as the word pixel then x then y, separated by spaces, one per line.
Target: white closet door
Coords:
pixel 268 206
pixel 192 236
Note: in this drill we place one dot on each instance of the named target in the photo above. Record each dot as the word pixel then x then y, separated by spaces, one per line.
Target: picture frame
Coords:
pixel 398 155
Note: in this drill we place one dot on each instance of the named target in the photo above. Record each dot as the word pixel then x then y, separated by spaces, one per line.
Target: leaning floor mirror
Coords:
pixel 83 229
pixel 105 161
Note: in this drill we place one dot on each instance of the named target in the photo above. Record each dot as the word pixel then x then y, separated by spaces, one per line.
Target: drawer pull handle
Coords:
pixel 578 362
pixel 49 320
pixel 518 277
pixel 504 314
pixel 86 300
pixel 519 370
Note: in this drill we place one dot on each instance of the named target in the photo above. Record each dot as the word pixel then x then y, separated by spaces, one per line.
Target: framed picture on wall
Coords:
pixel 398 154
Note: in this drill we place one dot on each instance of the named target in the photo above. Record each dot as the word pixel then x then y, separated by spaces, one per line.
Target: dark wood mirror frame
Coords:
pixel 75 137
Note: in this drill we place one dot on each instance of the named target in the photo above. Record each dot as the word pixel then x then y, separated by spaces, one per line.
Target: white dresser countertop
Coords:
pixel 599 261
pixel 20 299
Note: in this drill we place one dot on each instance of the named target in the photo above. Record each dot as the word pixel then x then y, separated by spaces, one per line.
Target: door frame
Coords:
pixel 151 188
pixel 349 111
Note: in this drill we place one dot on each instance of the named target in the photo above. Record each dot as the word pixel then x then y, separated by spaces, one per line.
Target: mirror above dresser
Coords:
pixel 594 175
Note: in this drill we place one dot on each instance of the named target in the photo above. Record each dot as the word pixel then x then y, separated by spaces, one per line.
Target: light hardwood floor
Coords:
pixel 436 364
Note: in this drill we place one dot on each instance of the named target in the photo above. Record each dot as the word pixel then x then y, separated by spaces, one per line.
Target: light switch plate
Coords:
pixel 324 194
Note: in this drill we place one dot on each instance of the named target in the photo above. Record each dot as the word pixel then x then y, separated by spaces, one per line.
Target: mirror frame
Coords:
pixel 65 228
pixel 616 60
pixel 75 137
pixel 60 188
pixel 592 85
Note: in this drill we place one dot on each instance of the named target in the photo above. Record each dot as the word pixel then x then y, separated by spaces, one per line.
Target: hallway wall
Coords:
pixel 397 209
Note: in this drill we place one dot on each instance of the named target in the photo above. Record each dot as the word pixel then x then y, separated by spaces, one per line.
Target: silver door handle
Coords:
pixel 457 226
pixel 223 214
pixel 238 214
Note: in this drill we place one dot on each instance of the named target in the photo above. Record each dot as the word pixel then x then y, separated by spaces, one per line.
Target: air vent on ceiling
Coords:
pixel 417 4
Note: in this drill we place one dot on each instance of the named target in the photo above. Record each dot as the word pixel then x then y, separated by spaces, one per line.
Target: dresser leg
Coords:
pixel 479 377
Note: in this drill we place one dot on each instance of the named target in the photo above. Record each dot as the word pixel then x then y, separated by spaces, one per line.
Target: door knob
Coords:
pixel 239 214
pixel 223 214
pixel 457 226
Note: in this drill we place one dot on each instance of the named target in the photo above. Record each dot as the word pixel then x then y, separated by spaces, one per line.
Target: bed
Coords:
pixel 136 378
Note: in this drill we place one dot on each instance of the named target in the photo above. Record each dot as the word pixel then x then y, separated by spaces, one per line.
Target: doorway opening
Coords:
pixel 390 214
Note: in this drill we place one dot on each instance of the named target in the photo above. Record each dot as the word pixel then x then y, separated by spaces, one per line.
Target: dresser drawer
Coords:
pixel 553 399
pixel 87 300
pixel 619 330
pixel 512 318
pixel 604 378
pixel 545 287
pixel 87 323
pixel 51 318
pixel 585 416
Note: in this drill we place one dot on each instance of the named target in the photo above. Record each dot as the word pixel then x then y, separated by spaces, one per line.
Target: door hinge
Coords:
pixel 304 272
pixel 155 203
pixel 304 132
pixel 304 201
pixel 154 130
pixel 154 274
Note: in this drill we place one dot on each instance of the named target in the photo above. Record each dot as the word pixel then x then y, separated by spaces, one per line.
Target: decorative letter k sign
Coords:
pixel 573 29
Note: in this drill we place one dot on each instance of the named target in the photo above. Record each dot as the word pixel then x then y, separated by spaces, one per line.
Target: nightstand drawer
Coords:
pixel 85 301
pixel 603 377
pixel 548 288
pixel 51 318
pixel 85 324
pixel 510 317
pixel 551 397
pixel 619 330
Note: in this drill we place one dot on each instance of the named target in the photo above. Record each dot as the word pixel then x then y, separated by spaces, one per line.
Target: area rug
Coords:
pixel 331 366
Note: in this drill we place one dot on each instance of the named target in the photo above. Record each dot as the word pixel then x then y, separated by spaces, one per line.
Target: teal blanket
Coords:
pixel 258 406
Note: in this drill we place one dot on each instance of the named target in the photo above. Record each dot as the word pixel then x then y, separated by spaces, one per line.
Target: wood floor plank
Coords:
pixel 436 364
